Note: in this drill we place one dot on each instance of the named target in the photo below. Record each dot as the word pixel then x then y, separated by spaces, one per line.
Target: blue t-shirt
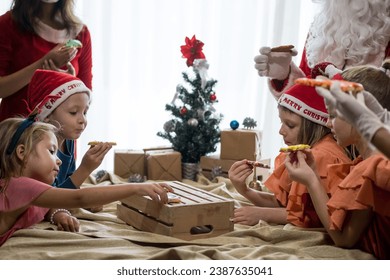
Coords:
pixel 67 167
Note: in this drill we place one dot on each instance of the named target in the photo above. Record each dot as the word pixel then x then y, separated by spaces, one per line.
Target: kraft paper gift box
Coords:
pixel 240 144
pixel 214 162
pixel 129 162
pixel 163 165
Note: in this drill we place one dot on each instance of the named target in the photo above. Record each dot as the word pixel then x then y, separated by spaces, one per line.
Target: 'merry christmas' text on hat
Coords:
pixel 304 101
pixel 48 89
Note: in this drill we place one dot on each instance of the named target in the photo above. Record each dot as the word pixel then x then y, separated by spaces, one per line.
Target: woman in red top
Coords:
pixel 32 36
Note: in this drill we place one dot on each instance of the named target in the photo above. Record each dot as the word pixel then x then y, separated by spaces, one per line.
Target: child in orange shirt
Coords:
pixel 303 121
pixel 357 214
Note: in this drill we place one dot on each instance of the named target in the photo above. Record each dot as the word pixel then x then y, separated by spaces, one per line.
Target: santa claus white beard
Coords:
pixel 349 32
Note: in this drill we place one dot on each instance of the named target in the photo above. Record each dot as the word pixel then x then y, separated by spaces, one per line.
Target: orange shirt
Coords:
pixel 364 184
pixel 293 195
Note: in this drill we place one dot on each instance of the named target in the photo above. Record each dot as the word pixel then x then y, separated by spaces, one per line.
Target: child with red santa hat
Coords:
pixel 63 99
pixel 303 121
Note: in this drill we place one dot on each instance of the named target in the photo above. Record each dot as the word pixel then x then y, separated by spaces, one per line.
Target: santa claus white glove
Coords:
pixel 275 65
pixel 373 104
pixel 349 108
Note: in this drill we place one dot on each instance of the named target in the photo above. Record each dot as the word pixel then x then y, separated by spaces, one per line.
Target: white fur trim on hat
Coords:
pixel 59 95
pixel 302 109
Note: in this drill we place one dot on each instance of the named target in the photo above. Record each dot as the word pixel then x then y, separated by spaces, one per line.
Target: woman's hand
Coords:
pixel 60 55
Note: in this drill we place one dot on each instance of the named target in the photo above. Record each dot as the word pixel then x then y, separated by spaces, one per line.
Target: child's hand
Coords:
pixel 94 156
pixel 238 173
pixel 302 168
pixel 247 215
pixel 65 222
pixel 156 191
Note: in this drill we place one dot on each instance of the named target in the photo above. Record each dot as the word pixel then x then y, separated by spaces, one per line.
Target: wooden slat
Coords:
pixel 198 208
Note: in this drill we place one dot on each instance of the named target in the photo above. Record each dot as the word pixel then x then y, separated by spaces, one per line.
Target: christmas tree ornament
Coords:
pixel 234 124
pixel 193 122
pixel 183 110
pixel 213 97
pixel 194 128
pixel 192 50
pixel 169 126
pixel 249 123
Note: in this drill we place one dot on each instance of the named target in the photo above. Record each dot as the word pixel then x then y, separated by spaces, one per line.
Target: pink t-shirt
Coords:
pixel 19 193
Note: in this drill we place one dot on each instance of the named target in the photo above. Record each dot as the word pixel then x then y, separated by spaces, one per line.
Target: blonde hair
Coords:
pixel 10 164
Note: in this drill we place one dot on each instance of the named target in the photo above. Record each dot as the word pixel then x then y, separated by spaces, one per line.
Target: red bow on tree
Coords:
pixel 192 50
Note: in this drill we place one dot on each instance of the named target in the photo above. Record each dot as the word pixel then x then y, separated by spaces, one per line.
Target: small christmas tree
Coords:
pixel 194 129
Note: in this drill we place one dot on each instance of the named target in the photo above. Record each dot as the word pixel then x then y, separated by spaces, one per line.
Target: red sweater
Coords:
pixel 20 49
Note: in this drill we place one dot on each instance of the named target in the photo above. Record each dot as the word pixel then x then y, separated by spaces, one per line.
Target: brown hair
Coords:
pixel 10 164
pixel 375 80
pixel 24 13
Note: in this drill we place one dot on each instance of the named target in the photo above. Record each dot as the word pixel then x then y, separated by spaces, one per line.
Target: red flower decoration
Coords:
pixel 192 50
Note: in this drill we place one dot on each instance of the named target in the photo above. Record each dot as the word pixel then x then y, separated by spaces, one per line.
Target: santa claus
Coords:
pixel 344 33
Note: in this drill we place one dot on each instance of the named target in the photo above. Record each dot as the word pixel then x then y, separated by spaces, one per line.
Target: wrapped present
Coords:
pixel 213 166
pixel 163 164
pixel 129 162
pixel 240 144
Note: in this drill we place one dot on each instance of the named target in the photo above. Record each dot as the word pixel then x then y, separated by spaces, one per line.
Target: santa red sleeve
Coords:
pixel 278 87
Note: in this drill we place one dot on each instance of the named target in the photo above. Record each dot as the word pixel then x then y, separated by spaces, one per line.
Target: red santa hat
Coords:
pixel 304 101
pixel 48 89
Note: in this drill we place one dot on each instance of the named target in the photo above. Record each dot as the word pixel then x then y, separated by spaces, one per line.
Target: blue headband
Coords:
pixel 22 127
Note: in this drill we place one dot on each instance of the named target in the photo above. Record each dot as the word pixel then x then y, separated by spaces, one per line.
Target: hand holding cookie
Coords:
pixel 275 62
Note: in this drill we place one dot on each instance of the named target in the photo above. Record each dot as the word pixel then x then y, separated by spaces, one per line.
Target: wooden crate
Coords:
pixel 200 214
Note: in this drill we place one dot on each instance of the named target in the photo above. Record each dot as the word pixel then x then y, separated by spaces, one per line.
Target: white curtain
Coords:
pixel 137 62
